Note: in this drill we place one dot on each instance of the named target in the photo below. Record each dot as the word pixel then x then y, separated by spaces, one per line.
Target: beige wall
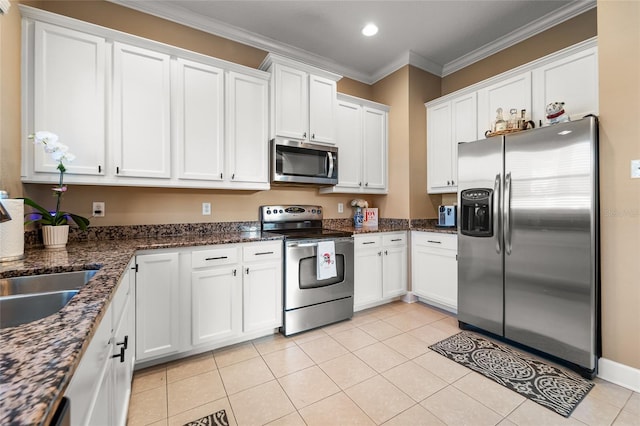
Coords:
pixel 423 87
pixel 619 69
pixel 393 90
pixel 563 35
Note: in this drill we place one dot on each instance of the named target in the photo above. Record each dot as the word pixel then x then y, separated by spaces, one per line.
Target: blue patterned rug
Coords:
pixel 549 386
pixel 216 419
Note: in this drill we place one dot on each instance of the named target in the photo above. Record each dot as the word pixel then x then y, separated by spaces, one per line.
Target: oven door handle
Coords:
pixel 330 157
pixel 315 243
pixel 302 244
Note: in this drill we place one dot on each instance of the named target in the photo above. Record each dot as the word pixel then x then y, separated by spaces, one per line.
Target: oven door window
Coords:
pixel 307 273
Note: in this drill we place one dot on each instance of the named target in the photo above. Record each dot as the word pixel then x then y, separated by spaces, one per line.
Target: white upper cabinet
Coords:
pixel 439 148
pixel 375 148
pixel 136 112
pixel 513 92
pixel 141 106
pixel 199 123
pixel 303 100
pixel 322 109
pixel 362 141
pixel 247 130
pixel 572 80
pixel 448 123
pixel 292 102
pixel 569 75
pixel 69 97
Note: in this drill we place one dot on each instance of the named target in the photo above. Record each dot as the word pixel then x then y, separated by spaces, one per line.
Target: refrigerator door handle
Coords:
pixel 496 213
pixel 507 213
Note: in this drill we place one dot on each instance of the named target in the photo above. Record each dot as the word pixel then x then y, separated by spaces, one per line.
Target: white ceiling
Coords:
pixel 439 36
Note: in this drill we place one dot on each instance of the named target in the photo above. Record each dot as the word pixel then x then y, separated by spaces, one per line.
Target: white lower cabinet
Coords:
pixel 380 268
pixel 101 385
pixel 202 298
pixel 434 268
pixel 157 305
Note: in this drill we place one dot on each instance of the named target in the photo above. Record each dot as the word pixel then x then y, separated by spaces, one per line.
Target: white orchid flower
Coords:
pixel 44 138
pixel 63 156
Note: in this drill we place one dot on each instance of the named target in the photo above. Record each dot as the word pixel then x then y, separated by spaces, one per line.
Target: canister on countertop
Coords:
pixel 11 228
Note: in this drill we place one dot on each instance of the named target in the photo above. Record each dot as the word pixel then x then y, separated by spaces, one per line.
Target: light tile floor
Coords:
pixel 374 369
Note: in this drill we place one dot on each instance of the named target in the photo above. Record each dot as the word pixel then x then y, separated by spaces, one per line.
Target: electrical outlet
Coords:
pixel 635 169
pixel 206 209
pixel 340 207
pixel 98 209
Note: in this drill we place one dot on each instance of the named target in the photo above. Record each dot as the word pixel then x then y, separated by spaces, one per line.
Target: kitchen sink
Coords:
pixel 28 298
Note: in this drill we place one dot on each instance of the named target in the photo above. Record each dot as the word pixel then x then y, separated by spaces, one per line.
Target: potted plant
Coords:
pixel 55 224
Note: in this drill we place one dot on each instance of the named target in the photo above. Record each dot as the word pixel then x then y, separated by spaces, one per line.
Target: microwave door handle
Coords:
pixel 330 157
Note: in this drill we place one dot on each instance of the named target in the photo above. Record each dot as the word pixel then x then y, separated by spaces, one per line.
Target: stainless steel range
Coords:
pixel 310 299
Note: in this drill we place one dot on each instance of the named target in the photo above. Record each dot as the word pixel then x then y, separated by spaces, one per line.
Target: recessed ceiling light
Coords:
pixel 370 30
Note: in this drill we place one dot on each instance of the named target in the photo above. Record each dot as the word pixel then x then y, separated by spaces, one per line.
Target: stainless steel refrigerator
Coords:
pixel 528 239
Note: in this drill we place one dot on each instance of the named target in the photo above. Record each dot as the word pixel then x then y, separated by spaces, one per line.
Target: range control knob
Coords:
pixel 319 211
pixel 281 211
pixel 268 211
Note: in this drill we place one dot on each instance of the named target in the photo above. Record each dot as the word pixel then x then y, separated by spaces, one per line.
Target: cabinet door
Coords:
pixel 262 296
pixel 514 92
pixel 322 109
pixel 572 80
pixel 123 368
pixel 394 267
pixel 247 129
pixel 141 105
pixel 199 102
pixel 157 305
pixel 349 141
pixel 69 96
pixel 464 112
pixel 439 152
pixel 435 275
pixel 291 102
pixel 375 148
pixel 367 276
pixel 216 304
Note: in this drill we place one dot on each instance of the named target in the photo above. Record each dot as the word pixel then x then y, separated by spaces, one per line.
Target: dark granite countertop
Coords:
pixel 37 360
pixel 435 228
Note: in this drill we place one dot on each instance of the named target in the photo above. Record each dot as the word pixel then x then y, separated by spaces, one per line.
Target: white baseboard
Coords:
pixel 619 374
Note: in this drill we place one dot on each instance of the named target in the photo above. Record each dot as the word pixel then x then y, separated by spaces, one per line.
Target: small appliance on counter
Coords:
pixel 447 216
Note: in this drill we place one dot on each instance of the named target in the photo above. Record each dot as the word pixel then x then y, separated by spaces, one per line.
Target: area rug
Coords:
pixel 216 419
pixel 532 378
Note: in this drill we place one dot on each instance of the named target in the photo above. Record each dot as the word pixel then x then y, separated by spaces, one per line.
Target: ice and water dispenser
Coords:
pixel 476 212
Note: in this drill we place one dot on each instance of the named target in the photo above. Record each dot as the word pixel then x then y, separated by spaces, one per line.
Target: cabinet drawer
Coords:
pixel 398 239
pixel 214 257
pixel 436 240
pixel 367 241
pixel 260 252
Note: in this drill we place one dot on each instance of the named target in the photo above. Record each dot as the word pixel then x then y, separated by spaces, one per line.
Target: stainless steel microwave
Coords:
pixel 300 163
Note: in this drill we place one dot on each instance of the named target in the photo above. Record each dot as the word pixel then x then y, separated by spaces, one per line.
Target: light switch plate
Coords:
pixel 340 207
pixel 635 169
pixel 206 209
pixel 98 209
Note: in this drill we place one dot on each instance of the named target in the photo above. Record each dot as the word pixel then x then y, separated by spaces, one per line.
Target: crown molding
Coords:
pixel 535 27
pixel 178 14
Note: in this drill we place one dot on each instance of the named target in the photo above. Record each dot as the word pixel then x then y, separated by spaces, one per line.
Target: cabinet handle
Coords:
pixel 448 183
pixel 220 175
pixel 263 253
pixel 453 182
pixel 117 170
pixel 368 242
pixel 434 242
pixel 234 272
pixel 215 258
pixel 379 253
pixel 247 271
pixel 386 253
pixel 313 136
pixel 120 355
pixel 396 239
pixel 233 176
pixel 366 184
pixel 124 343
pixel 359 183
pixel 99 168
pixel 304 135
